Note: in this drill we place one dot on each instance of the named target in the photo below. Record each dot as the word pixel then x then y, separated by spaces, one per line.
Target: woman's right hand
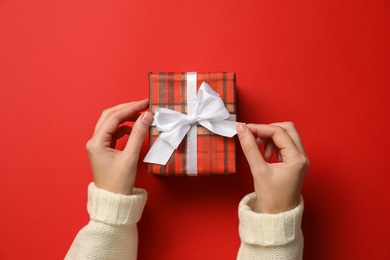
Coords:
pixel 277 185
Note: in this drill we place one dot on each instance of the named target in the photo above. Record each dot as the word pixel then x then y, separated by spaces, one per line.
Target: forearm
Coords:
pixel 112 230
pixel 269 236
pixel 101 241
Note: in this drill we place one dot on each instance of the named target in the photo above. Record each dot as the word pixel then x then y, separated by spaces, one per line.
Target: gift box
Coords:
pixel 201 151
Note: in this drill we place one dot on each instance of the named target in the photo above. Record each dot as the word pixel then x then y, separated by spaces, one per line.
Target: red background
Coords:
pixel 324 65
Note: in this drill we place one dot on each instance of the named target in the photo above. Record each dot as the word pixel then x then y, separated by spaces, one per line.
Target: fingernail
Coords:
pixel 147 118
pixel 240 130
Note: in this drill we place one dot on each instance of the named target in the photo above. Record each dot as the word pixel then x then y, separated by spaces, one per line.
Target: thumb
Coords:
pixel 137 136
pixel 250 148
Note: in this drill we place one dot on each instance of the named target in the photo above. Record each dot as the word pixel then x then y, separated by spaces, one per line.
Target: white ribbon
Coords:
pixel 208 110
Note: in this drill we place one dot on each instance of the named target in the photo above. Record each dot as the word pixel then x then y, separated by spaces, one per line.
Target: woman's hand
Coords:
pixel 277 185
pixel 115 170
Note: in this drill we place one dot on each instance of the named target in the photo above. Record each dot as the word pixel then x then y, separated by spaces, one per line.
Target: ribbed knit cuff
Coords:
pixel 115 209
pixel 268 229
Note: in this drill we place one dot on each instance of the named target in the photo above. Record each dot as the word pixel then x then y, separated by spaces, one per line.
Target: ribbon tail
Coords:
pixel 160 152
pixel 225 128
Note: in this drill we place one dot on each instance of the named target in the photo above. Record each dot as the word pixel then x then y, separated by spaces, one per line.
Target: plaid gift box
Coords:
pixel 215 153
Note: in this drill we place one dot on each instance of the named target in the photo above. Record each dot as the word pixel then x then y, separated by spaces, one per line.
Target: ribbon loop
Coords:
pixel 209 111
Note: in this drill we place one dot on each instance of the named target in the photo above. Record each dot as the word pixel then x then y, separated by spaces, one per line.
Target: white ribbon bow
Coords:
pixel 209 111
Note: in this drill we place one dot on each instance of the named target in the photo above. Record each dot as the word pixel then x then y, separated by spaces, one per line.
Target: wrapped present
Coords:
pixel 194 122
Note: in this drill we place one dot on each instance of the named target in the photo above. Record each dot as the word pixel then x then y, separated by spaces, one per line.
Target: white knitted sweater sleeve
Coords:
pixel 269 236
pixel 112 230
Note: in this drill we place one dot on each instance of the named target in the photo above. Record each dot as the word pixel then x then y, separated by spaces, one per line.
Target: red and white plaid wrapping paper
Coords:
pixel 216 154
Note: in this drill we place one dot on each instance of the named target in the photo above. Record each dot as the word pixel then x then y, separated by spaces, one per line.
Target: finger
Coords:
pixel 122 131
pixel 250 148
pixel 293 133
pixel 279 136
pixel 259 141
pixel 113 119
pixel 137 136
pixel 269 149
pixel 108 112
pixel 279 155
